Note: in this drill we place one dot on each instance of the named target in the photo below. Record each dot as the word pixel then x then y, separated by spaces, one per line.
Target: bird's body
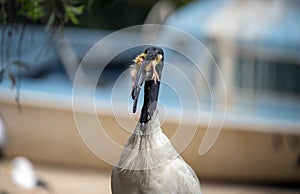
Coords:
pixel 157 181
pixel 149 163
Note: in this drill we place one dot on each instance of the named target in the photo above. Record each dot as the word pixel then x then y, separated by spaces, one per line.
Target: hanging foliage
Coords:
pixel 14 16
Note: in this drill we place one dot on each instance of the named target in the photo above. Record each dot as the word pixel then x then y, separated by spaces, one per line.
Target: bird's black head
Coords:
pixel 153 63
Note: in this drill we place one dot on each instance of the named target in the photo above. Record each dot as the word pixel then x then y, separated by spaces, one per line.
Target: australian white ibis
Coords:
pixel 149 163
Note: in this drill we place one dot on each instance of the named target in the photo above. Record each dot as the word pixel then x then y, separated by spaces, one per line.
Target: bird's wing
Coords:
pixel 187 180
pixel 195 183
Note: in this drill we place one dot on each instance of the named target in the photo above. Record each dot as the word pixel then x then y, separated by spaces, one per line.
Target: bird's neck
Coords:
pixel 151 90
pixel 147 148
pixel 151 127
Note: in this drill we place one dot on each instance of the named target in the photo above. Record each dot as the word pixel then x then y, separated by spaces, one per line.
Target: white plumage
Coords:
pixel 150 164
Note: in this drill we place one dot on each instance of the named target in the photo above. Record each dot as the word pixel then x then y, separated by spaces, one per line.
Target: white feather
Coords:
pixel 150 164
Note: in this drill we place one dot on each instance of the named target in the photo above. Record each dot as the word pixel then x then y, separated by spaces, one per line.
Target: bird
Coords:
pixel 149 163
pixel 23 175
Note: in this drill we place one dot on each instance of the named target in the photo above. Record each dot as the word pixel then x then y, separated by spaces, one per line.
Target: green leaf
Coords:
pixel 73 18
pixel 72 12
pixel 76 10
pixel 32 9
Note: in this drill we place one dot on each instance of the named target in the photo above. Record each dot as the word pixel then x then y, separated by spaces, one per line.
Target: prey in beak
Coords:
pixel 146 66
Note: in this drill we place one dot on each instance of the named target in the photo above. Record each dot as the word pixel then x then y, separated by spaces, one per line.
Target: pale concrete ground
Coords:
pixel 66 180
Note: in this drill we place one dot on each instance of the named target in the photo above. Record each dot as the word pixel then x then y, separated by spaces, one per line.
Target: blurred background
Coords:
pixel 254 43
